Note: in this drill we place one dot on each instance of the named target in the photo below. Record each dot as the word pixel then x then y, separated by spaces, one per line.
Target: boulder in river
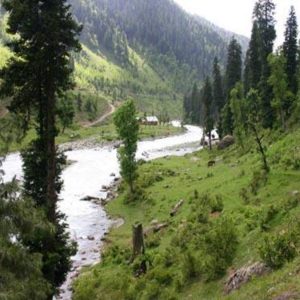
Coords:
pixel 91 238
pixel 90 198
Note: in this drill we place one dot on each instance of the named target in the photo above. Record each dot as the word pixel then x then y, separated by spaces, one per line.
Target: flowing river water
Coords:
pixel 91 169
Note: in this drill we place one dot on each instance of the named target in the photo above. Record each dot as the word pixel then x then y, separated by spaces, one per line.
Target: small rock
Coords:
pixel 91 238
pixel 90 198
pixel 113 175
pixel 154 222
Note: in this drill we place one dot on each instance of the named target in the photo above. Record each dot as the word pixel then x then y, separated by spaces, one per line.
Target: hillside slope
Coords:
pixel 178 46
pixel 233 215
pixel 151 51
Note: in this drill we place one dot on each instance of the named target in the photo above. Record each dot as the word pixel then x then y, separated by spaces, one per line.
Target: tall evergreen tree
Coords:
pixel 290 49
pixel 252 65
pixel 218 94
pixel 37 74
pixel 232 76
pixel 207 100
pixel 263 15
pixel 234 66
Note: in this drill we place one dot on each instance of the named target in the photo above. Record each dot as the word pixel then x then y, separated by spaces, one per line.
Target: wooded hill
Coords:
pixel 152 51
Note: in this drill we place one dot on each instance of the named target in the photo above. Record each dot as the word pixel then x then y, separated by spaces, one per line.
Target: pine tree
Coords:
pixel 37 74
pixel 290 49
pixel 252 64
pixel 218 94
pixel 263 15
pixel 21 270
pixel 207 100
pixel 234 66
pixel 232 76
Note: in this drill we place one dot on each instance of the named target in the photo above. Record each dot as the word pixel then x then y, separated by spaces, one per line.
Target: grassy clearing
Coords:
pixel 255 206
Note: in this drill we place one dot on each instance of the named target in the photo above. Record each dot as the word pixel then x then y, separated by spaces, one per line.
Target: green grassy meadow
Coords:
pixel 256 206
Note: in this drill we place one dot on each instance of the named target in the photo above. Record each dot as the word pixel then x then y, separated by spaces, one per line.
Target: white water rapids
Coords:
pixel 92 168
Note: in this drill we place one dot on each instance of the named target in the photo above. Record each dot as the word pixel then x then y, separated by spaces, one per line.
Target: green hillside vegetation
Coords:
pixel 227 213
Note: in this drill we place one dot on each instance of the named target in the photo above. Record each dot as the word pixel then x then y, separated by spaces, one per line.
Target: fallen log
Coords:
pixel 176 208
pixel 155 228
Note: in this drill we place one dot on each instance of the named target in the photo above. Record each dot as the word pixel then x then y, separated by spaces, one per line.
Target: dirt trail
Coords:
pixel 102 118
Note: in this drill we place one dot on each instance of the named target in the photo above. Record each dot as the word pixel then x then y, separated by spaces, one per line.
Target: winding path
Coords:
pixel 111 110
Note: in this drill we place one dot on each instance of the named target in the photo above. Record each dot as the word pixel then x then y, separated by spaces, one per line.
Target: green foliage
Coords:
pixel 127 126
pixel 290 49
pixel 233 67
pixel 239 112
pixel 34 78
pixel 278 81
pixel 263 14
pixel 220 247
pixel 21 270
pixel 252 73
pixel 66 112
pixel 275 250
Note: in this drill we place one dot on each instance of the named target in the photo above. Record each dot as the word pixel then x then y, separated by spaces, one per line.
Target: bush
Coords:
pixel 291 160
pixel 275 250
pixel 259 179
pixel 190 266
pixel 269 215
pixel 216 204
pixel 220 246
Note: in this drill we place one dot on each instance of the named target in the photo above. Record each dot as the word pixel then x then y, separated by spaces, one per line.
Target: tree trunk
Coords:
pixel 209 140
pixel 282 119
pixel 261 149
pixel 51 156
pixel 137 240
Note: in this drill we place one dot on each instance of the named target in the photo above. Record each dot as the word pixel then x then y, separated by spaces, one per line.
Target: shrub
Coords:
pixel 259 179
pixel 220 246
pixel 291 160
pixel 275 250
pixel 190 266
pixel 269 215
pixel 216 204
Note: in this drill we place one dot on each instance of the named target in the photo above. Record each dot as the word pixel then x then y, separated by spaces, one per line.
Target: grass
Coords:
pixel 178 178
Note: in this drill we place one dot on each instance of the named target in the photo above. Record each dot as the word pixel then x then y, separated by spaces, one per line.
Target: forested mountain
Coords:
pixel 178 46
pixel 151 51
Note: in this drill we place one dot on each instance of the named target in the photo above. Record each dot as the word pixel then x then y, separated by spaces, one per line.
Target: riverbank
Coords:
pixel 98 136
pixel 255 206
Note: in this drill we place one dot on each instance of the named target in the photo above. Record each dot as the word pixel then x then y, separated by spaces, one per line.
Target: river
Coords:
pixel 91 169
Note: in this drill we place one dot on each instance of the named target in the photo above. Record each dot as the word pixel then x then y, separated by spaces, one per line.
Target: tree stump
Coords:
pixel 138 246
